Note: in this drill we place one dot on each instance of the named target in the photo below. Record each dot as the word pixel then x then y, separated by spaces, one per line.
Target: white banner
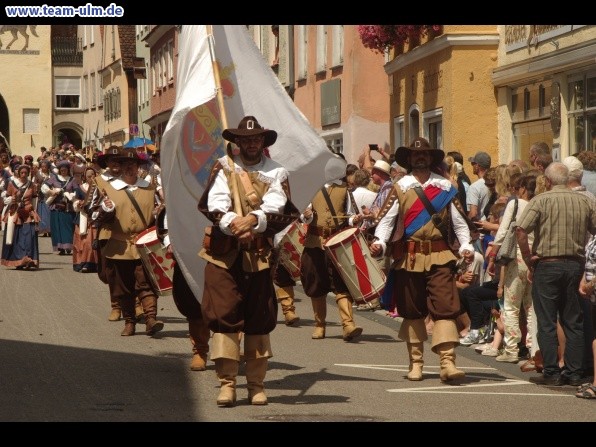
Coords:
pixel 192 141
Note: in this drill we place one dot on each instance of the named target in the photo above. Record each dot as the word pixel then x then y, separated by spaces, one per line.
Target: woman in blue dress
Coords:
pixel 43 210
pixel 60 192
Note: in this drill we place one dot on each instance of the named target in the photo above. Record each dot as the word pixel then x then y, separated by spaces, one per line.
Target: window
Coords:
pixel 93 88
pixel 335 142
pixel 414 124
pixel 541 100
pixel 321 64
pixel 99 94
pixel 163 66
pixel 171 61
pixel 398 132
pixel 582 113
pixel 337 50
pixel 302 46
pixel 526 104
pixel 530 117
pixel 154 74
pixel 84 100
pixel 30 120
pixel 433 127
pixel 68 92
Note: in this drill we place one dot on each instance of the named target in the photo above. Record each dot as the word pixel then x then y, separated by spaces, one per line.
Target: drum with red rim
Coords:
pixel 362 274
pixel 158 263
pixel 291 247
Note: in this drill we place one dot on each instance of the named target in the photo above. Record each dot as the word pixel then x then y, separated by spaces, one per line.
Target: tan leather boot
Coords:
pixel 115 314
pixel 319 306
pixel 413 332
pixel 344 304
pixel 199 337
pixel 257 349
pixel 152 324
pixel 116 310
pixel 225 352
pixel 285 297
pixel 445 339
pixel 139 313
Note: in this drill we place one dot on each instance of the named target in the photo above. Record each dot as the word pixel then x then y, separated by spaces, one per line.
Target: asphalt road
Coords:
pixel 62 360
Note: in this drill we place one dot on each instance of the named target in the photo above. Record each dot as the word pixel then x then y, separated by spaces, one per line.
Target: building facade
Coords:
pixel 162 41
pixel 341 88
pixel 442 90
pixel 26 100
pixel 546 89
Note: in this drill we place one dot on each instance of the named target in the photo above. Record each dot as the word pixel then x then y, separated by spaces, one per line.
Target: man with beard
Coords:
pixel 245 199
pixel 423 258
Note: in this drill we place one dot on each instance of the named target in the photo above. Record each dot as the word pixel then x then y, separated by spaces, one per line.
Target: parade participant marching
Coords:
pixel 328 213
pixel 247 204
pixel 59 190
pixel 20 247
pixel 128 204
pixel 185 301
pixel 428 218
pixel 111 171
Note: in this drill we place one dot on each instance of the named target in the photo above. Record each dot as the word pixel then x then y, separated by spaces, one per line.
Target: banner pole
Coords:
pixel 224 121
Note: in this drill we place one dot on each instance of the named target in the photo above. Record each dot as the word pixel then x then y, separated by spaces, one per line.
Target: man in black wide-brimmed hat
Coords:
pixel 128 204
pixel 424 260
pixel 246 199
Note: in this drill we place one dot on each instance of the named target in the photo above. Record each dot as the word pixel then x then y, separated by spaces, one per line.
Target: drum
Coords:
pixel 291 248
pixel 157 261
pixel 362 274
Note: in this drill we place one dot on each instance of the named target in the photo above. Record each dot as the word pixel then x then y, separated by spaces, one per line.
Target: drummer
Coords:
pixel 128 202
pixel 329 212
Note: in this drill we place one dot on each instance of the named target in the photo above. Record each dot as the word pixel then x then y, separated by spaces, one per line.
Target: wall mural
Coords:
pixel 17 32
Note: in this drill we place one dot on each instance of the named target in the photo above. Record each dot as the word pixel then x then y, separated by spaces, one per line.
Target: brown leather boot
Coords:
pixel 129 329
pixel 116 310
pixel 199 337
pixel 344 304
pixel 128 312
pixel 319 306
pixel 152 324
pixel 413 332
pixel 445 339
pixel 139 313
pixel 257 349
pixel 285 297
pixel 225 353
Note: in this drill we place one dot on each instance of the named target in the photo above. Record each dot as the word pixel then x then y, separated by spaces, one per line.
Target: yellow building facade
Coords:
pixel 442 90
pixel 26 101
pixel 546 89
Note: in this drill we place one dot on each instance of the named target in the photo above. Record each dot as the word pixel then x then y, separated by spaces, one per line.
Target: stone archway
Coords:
pixel 4 121
pixel 69 135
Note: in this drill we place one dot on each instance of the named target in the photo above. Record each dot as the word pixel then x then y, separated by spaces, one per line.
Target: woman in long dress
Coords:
pixel 43 210
pixel 20 247
pixel 60 192
pixel 84 257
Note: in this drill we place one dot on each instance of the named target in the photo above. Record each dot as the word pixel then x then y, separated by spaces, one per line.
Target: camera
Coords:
pixel 373 147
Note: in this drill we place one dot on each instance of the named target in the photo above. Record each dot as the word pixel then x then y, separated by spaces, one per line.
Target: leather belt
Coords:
pixel 322 231
pixel 400 248
pixel 427 247
pixel 561 258
pixel 257 244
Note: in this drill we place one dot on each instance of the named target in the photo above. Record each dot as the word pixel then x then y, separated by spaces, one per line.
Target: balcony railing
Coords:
pixel 67 51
